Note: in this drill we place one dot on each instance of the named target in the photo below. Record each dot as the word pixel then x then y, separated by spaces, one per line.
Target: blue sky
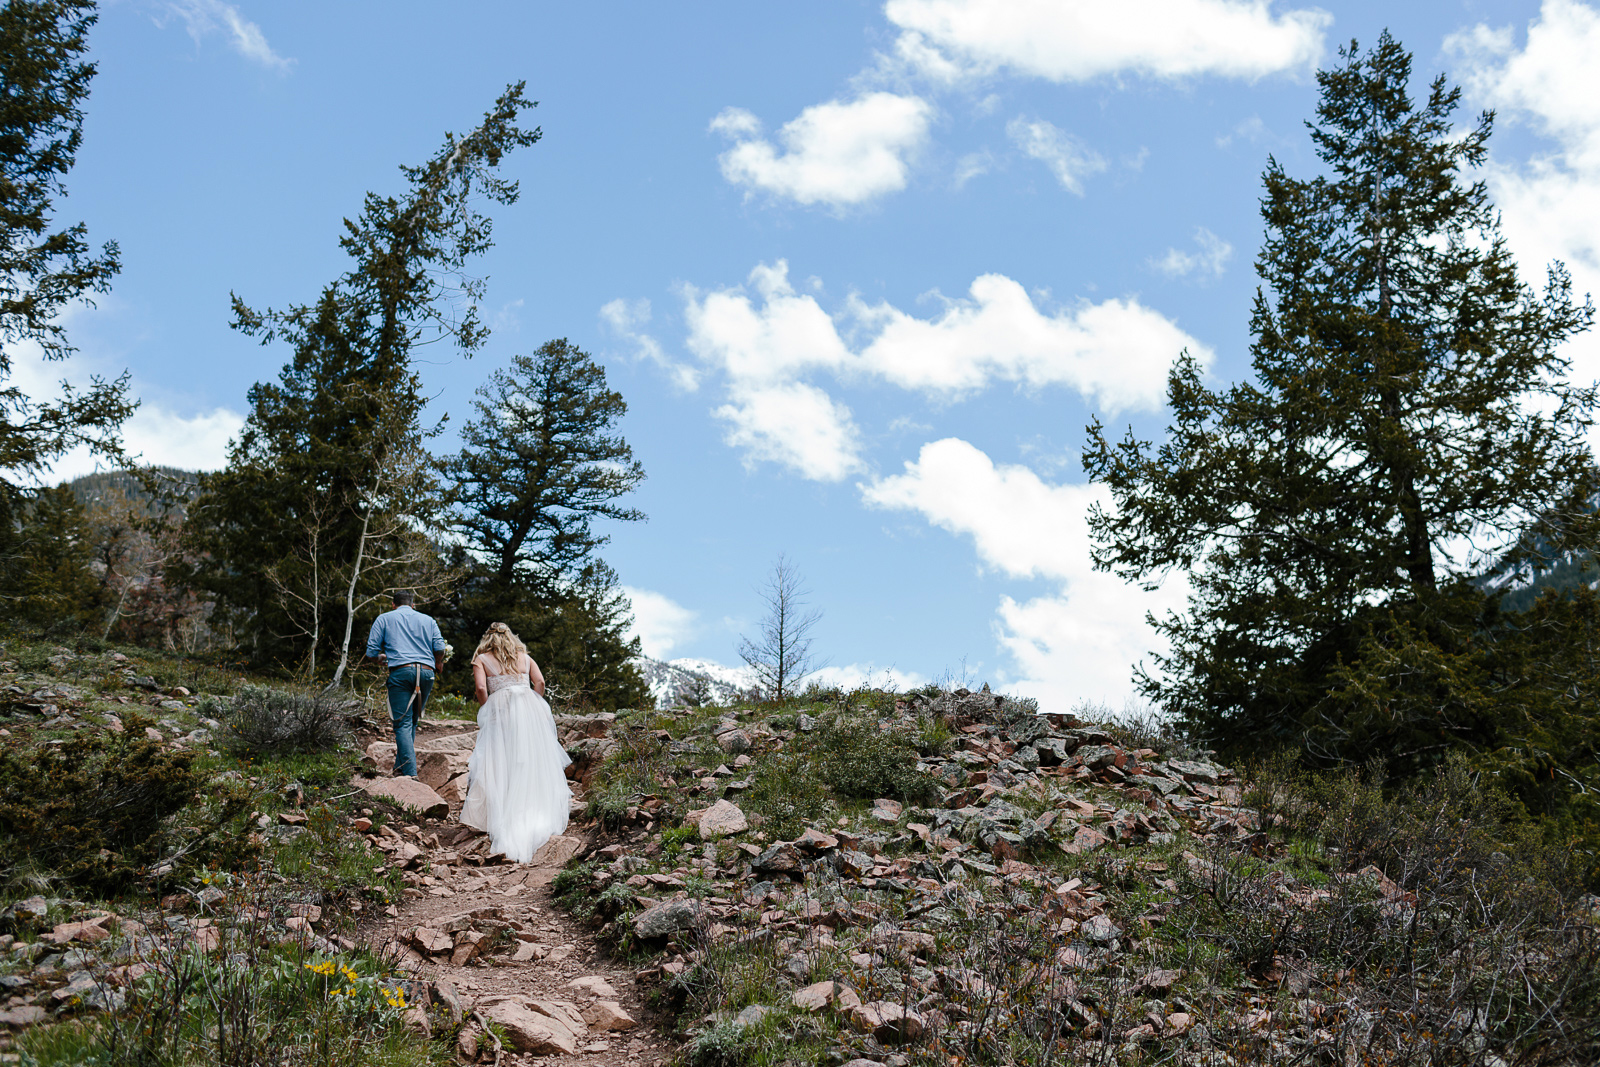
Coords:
pixel 863 271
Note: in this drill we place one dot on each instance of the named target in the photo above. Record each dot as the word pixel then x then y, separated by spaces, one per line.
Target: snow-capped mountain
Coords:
pixel 692 681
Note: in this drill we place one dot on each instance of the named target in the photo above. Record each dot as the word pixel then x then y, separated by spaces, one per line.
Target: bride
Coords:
pixel 516 781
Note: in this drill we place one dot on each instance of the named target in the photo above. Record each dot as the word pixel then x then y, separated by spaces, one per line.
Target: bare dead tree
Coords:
pixel 780 656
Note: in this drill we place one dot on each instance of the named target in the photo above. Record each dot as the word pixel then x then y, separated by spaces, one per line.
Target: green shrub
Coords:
pixel 97 812
pixel 856 758
pixel 788 793
pixel 259 721
pixel 633 769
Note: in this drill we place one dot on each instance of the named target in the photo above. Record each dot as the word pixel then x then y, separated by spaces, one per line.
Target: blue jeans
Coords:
pixel 406 710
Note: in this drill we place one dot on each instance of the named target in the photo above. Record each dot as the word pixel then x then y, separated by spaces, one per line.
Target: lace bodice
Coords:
pixel 496 682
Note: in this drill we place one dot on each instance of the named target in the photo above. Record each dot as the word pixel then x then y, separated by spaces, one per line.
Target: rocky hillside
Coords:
pixel 951 877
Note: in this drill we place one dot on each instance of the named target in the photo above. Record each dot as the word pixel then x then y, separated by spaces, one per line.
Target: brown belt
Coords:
pixel 416 692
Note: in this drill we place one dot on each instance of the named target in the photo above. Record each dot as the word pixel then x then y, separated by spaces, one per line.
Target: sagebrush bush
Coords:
pixel 97 812
pixel 859 759
pixel 788 792
pixel 259 721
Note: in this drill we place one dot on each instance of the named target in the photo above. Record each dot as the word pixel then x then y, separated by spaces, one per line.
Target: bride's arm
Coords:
pixel 480 682
pixel 535 676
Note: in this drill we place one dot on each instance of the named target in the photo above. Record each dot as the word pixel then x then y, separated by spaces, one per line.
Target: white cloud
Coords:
pixel 793 424
pixel 1116 353
pixel 1251 129
pixel 659 622
pixel 1076 40
pixel 205 17
pixel 154 434
pixel 1550 205
pixel 1067 157
pixel 971 166
pixel 763 351
pixel 838 154
pixel 627 319
pixel 158 435
pixel 1206 264
pixel 856 675
pixel 1079 644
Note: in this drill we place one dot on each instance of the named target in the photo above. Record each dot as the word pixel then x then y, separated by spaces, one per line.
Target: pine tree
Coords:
pixel 1409 421
pixel 325 504
pixel 56 588
pixel 45 267
pixel 541 460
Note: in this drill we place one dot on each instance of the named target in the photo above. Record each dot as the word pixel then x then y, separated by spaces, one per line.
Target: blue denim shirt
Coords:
pixel 405 635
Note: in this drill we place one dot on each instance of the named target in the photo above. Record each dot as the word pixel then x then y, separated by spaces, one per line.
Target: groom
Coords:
pixel 410 645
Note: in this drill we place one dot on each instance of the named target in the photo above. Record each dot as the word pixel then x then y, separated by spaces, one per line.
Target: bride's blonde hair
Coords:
pixel 504 645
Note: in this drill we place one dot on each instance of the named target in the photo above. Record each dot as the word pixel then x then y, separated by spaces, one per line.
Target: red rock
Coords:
pixel 530 1031
pixel 607 1015
pixel 1087 839
pixel 721 819
pixel 887 1021
pixel 815 841
pixel 408 793
pixel 815 997
pixel 557 851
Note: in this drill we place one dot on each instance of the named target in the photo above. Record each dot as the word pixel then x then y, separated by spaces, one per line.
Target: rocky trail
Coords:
pixel 480 935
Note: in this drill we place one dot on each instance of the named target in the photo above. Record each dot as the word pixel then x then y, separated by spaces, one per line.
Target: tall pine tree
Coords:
pixel 325 503
pixel 541 460
pixel 44 81
pixel 1409 420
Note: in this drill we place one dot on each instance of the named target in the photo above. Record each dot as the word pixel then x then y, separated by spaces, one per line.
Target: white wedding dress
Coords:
pixel 516 780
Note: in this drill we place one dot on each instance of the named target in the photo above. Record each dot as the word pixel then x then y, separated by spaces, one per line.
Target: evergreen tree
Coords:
pixel 541 460
pixel 56 588
pixel 43 266
pixel 1408 422
pixel 325 504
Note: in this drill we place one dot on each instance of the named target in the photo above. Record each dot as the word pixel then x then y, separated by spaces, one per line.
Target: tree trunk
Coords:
pixel 350 601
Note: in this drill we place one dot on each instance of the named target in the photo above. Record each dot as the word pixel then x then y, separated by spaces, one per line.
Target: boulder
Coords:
pixel 455 790
pixel 607 1015
pixel 816 996
pixel 721 819
pixel 1087 839
pixel 408 793
pixel 1157 982
pixel 885 810
pixel 531 1031
pixel 1098 757
pixel 594 984
pixel 434 769
pixel 445 994
pixel 814 840
pixel 887 1021
pixel 667 918
pixel 734 742
pixel 1100 929
pixel 1195 771
pixel 563 1012
pixel 782 858
pixel 557 851
pixel 462 742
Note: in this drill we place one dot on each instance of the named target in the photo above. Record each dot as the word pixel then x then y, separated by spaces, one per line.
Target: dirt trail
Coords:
pixel 546 960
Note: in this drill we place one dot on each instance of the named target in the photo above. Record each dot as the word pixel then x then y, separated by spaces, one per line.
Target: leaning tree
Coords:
pixel 287 536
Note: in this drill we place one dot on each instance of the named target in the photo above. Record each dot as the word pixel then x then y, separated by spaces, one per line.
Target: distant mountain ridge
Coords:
pixel 692 681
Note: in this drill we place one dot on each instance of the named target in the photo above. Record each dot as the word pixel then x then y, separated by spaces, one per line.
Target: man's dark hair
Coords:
pixel 404 596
